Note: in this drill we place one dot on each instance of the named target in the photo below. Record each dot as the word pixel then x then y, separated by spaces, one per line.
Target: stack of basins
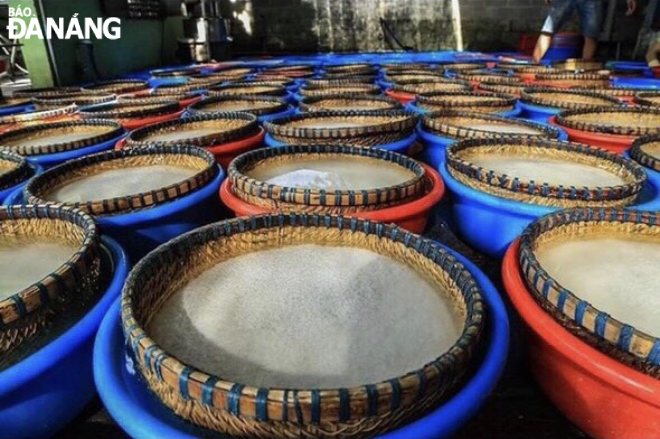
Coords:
pixel 499 186
pixel 593 349
pixel 59 278
pixel 541 104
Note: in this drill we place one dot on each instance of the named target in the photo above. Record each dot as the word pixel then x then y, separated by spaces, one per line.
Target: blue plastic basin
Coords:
pixel 48 161
pixel 537 113
pixel 7 194
pixel 45 391
pixel 142 415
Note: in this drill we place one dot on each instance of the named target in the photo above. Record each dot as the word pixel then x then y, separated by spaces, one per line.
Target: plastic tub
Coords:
pixel 141 415
pixel 490 224
pixel 7 196
pixel 510 113
pixel 48 161
pixel 13 109
pixel 411 216
pixel 134 124
pixel 45 391
pixel 537 113
pixel 647 83
pixel 601 396
pixel 612 142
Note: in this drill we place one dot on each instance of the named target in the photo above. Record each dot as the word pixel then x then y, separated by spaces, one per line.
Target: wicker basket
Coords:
pixel 393 68
pixel 244 410
pixel 299 199
pixel 649 98
pixel 230 74
pixel 338 82
pixel 356 128
pixel 350 69
pixel 514 89
pixel 274 79
pixel 249 88
pixel 458 124
pixel 566 99
pixel 119 86
pixel 414 77
pixel 646 152
pixel 131 109
pixel 48 301
pixel 629 121
pixel 299 71
pixel 203 130
pixel 462 67
pixel 348 89
pixel 176 89
pixel 33 140
pixel 613 91
pixel 568 80
pixel 79 99
pixel 46 92
pixel 14 169
pixel 461 167
pixel 37 117
pixel 601 330
pixel 348 102
pixel 38 190
pixel 444 86
pixel 480 102
pixel 14 102
pixel 487 76
pixel 256 105
pixel 524 68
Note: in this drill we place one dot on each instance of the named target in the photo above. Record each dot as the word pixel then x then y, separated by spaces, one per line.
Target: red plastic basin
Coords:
pixel 612 142
pixel 403 98
pixel 411 216
pixel 134 124
pixel 602 396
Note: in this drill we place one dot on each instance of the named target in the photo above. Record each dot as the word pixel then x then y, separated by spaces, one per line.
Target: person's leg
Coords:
pixel 560 11
pixel 591 18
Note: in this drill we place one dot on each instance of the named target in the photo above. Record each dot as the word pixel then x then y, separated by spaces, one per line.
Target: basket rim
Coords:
pixel 543 189
pixel 122 109
pixel 140 136
pixel 534 274
pixel 638 154
pixel 642 98
pixel 5 102
pixel 313 83
pixel 461 66
pixel 412 87
pixel 355 88
pixel 47 91
pixel 80 100
pixel 225 89
pixel 563 118
pixel 430 121
pixel 585 76
pixel 131 202
pixel 528 96
pixel 365 396
pixel 114 131
pixel 17 174
pixel 307 103
pixel 130 85
pixel 179 71
pixel 38 115
pixel 280 104
pixel 322 197
pixel 279 126
pixel 490 100
pixel 46 290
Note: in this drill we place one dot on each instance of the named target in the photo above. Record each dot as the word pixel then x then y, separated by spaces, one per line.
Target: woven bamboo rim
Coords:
pixel 535 70
pixel 613 91
pixel 414 77
pixel 119 86
pixel 627 121
pixel 446 86
pixel 248 88
pixel 75 99
pixel 458 124
pixel 14 102
pixel 391 68
pixel 485 103
pixel 275 79
pixel 490 78
pixel 507 89
pixel 164 73
pixel 243 410
pixel 14 169
pixel 227 126
pixel 46 92
pixel 353 69
pixel 648 98
pixel 232 73
pixel 24 314
pixel 375 127
pixel 157 99
pixel 269 195
pixel 291 68
pixel 639 152
pixel 460 67
pixel 348 102
pixel 131 109
pixel 100 131
pixel 338 82
pixel 256 105
pixel 573 79
pixel 519 67
pixel 543 193
pixel 38 115
pixel 176 89
pixel 38 188
pixel 352 89
pixel 579 64
pixel 566 99
pixel 617 339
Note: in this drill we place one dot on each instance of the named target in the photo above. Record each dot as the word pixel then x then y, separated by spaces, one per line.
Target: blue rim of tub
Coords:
pixel 506 219
pixel 537 113
pixel 7 194
pixel 14 109
pixel 412 106
pixel 400 146
pixel 141 415
pixel 648 83
pixel 58 378
pixel 50 160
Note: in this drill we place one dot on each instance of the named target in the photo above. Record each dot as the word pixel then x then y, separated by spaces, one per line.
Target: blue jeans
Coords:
pixel 590 12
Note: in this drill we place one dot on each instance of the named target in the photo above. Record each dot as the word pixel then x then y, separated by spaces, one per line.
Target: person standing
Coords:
pixel 590 13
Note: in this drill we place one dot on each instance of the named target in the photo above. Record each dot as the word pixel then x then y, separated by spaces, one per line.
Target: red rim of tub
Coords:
pixel 635 395
pixel 403 98
pixel 611 142
pixel 412 216
pixel 134 124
